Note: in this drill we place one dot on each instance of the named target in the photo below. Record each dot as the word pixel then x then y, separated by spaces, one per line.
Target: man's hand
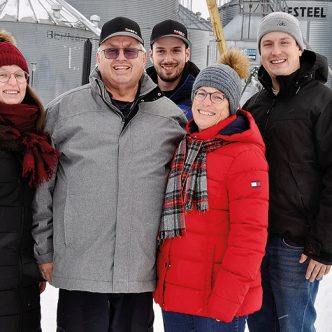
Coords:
pixel 46 271
pixel 42 286
pixel 315 269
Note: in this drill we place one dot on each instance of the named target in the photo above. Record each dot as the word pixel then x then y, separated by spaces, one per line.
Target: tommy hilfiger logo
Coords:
pixel 130 30
pixel 256 184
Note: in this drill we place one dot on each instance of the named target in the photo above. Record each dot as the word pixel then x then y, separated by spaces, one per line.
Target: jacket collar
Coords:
pixel 240 127
pixel 183 89
pixel 213 131
pixel 313 66
pixel 147 88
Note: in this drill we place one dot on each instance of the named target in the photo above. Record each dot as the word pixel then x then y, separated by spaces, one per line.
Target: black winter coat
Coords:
pixel 296 126
pixel 19 275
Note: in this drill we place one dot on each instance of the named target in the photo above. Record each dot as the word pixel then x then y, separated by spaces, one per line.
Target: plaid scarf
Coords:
pixel 187 184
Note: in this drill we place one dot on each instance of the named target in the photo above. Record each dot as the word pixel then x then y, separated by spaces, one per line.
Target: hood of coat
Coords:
pixel 314 66
pixel 240 127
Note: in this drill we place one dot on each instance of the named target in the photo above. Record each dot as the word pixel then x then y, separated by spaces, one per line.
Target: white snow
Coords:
pixel 323 305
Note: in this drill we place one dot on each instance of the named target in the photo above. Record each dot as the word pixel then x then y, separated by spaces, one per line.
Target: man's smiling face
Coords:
pixel 280 54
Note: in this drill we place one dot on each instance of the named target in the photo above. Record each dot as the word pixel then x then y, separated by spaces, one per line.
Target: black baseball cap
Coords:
pixel 120 26
pixel 169 28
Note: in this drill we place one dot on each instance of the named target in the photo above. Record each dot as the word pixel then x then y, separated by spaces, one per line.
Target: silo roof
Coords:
pixel 55 12
pixel 192 20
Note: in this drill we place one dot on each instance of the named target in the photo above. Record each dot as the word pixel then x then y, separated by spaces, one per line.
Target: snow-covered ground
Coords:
pixel 323 305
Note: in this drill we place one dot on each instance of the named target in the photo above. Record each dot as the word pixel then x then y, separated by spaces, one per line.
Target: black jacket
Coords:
pixel 19 276
pixel 181 95
pixel 296 126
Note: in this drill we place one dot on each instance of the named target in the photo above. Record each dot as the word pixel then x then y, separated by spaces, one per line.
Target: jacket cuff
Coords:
pixel 313 249
pixel 42 259
pixel 222 309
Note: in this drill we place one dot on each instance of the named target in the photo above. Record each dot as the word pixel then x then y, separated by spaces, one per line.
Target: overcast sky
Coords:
pixel 200 6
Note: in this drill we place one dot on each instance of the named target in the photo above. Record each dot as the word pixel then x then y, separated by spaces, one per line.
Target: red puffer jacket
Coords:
pixel 214 269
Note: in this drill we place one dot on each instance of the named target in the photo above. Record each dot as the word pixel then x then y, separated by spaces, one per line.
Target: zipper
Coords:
pixel 268 113
pixel 298 87
pixel 20 269
pixel 116 111
pixel 119 113
pixel 168 265
pixel 132 108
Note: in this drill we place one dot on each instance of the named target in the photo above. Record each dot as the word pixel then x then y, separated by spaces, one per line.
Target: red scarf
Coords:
pixel 18 133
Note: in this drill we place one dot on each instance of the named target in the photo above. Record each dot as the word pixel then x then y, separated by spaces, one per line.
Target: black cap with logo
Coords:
pixel 169 28
pixel 120 26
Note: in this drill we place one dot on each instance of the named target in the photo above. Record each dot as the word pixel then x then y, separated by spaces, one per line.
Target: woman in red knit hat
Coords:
pixel 26 160
pixel 214 221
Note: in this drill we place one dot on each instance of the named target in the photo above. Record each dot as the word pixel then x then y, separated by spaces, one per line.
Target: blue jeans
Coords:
pixel 176 322
pixel 288 298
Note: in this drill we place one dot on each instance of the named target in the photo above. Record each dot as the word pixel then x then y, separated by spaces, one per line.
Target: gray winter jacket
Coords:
pixel 98 219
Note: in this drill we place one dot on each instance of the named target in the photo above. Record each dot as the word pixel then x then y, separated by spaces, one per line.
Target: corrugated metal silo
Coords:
pixel 200 52
pixel 199 34
pixel 51 39
pixel 146 13
pixel 315 21
pixel 316 25
pixel 229 11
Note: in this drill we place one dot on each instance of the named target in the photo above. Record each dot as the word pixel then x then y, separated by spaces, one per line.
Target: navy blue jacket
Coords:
pixel 182 93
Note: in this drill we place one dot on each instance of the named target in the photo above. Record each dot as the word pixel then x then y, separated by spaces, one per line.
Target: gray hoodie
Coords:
pixel 98 219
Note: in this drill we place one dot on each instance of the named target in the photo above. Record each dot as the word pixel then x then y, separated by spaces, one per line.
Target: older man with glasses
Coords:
pixel 96 222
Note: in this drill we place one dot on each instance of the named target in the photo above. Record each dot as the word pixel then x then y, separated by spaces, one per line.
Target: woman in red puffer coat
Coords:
pixel 214 224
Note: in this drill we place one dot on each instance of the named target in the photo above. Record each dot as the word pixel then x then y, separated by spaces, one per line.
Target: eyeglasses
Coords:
pixel 129 52
pixel 20 76
pixel 215 97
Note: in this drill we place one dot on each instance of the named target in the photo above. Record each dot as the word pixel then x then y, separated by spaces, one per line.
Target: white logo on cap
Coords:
pixel 177 32
pixel 130 30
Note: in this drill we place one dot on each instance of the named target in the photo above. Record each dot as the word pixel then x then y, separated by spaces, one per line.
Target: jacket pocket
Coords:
pixel 292 245
pixel 83 219
pixel 309 184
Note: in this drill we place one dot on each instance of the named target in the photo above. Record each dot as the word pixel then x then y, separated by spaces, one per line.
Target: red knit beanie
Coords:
pixel 9 53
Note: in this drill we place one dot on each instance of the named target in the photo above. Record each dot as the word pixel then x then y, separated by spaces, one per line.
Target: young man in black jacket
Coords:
pixel 294 114
pixel 172 70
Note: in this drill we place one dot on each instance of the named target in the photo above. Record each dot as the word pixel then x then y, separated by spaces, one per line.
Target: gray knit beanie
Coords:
pixel 223 78
pixel 281 22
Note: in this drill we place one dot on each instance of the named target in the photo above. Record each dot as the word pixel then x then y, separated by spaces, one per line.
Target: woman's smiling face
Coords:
pixel 209 107
pixel 13 91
